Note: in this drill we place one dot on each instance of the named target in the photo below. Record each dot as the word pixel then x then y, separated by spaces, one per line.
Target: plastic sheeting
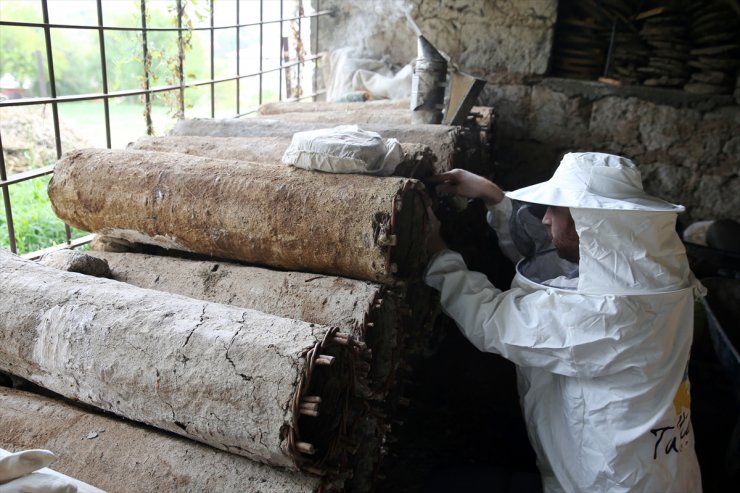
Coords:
pixel 348 71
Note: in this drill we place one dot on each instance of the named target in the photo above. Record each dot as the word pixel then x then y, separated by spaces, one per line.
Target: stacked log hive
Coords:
pixel 467 146
pixel 351 225
pixel 418 159
pixel 231 378
pixel 308 347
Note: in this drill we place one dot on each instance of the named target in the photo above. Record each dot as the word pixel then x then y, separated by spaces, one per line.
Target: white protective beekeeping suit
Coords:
pixel 601 353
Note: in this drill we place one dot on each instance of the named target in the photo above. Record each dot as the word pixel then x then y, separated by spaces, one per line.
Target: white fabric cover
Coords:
pixel 594 180
pixel 26 472
pixel 15 465
pixel 348 70
pixel 344 149
pixel 602 360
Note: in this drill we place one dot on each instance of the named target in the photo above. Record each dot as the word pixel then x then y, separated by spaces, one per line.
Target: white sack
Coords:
pixel 347 70
pixel 26 472
pixel 344 149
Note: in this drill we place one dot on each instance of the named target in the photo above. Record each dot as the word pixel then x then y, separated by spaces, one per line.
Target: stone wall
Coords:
pixel 687 146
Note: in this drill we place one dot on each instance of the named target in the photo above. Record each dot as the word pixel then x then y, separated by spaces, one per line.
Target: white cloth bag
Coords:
pixel 344 149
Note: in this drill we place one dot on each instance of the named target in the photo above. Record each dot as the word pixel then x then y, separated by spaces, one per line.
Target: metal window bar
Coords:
pixel 284 65
pixel 213 63
pixel 261 53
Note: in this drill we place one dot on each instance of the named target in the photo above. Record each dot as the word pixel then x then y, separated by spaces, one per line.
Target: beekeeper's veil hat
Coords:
pixel 594 180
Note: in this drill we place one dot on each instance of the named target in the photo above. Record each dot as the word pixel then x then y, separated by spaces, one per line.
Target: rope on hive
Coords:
pixel 297 448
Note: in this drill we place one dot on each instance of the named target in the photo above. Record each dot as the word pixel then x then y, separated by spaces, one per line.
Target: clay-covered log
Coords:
pixel 371 313
pixel 120 456
pixel 357 226
pixel 454 147
pixel 361 116
pixel 418 159
pixel 398 112
pixel 477 130
pixel 277 107
pixel 233 378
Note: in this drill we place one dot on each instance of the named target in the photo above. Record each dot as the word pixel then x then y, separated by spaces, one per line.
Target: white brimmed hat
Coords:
pixel 593 180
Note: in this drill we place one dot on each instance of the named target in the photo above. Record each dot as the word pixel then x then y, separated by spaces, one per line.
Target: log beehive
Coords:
pixel 418 159
pixel 235 379
pixel 116 455
pixel 350 225
pixel 454 146
pixel 370 312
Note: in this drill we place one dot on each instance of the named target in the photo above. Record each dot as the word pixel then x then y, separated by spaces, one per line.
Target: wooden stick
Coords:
pixel 305 448
pixel 342 339
pixel 325 360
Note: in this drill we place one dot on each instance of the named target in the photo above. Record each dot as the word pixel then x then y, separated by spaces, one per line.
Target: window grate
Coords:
pixel 288 69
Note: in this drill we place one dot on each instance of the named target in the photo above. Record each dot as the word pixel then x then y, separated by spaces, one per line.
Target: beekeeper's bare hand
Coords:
pixel 434 241
pixel 467 184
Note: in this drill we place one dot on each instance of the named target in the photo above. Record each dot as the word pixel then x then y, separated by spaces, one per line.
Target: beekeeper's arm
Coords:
pixel 565 333
pixel 472 186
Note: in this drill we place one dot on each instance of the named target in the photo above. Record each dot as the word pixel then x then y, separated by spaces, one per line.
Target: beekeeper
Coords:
pixel 599 325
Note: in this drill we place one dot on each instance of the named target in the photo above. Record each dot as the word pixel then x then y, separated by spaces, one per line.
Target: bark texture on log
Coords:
pixel 121 456
pixel 418 159
pixel 455 147
pixel 370 312
pixel 355 226
pixel 398 112
pixel 228 377
pixel 313 106
pixel 358 115
pixel 477 132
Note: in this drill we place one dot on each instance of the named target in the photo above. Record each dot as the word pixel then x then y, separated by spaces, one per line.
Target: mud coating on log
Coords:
pixel 453 146
pixel 120 456
pixel 269 215
pixel 370 312
pixel 418 159
pixel 469 146
pixel 221 375
pixel 310 107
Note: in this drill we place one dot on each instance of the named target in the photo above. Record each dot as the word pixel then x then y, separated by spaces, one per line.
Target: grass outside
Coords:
pixel 36 225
